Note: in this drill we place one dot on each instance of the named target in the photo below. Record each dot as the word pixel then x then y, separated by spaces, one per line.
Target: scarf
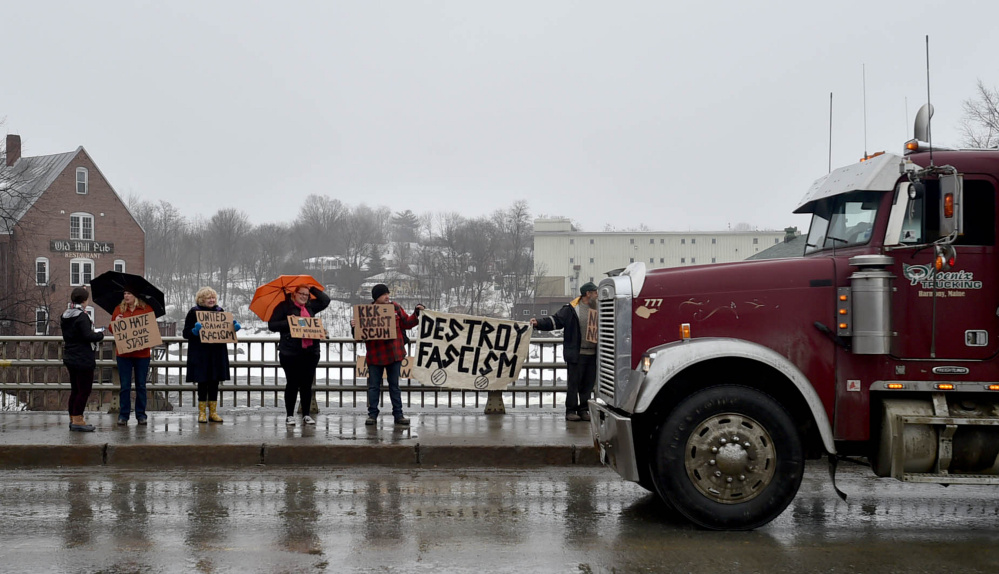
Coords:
pixel 304 312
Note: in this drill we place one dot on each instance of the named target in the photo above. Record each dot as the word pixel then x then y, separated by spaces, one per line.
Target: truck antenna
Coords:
pixel 929 122
pixel 830 132
pixel 865 109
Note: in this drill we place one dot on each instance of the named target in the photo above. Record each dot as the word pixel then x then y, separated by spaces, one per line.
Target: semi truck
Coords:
pixel 879 344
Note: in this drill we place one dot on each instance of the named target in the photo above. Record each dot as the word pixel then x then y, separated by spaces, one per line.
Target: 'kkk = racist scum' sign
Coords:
pixel 135 333
pixel 216 327
pixel 361 366
pixel 373 322
pixel 306 327
pixel 466 352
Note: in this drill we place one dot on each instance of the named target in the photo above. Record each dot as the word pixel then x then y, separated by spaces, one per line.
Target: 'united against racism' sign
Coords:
pixel 216 327
pixel 466 352
pixel 135 333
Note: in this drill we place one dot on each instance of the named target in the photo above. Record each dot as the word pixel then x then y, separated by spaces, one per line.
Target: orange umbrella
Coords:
pixel 268 295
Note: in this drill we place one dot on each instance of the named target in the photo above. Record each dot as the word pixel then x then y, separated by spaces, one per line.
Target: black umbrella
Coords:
pixel 108 290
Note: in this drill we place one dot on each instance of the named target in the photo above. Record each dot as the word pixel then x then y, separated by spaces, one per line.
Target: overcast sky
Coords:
pixel 676 115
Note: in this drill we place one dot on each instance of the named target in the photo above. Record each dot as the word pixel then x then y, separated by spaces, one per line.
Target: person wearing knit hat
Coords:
pixel 384 358
pixel 580 354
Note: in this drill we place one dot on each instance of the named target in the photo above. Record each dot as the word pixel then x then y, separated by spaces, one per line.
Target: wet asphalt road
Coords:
pixel 544 520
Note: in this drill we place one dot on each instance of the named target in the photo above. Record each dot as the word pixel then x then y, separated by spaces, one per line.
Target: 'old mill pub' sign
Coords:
pixel 79 246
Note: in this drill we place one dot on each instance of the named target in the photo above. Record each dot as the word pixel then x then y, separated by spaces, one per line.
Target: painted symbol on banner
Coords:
pixel 481 382
pixel 853 385
pixel 439 377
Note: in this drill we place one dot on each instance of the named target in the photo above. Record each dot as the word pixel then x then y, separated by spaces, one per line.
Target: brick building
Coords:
pixel 61 224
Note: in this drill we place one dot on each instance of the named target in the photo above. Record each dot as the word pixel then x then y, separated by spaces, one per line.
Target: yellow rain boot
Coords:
pixel 202 417
pixel 213 414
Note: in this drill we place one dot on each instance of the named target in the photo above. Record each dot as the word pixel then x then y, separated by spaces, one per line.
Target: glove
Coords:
pixel 196 329
pixel 235 325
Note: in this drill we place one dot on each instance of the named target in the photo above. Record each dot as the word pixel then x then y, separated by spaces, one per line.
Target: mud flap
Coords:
pixel 833 461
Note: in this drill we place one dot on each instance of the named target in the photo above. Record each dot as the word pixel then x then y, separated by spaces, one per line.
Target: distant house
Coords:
pixel 400 285
pixel 61 224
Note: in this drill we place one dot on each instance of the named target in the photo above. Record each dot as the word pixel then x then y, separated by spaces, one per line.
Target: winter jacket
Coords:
pixel 289 346
pixel 205 362
pixel 78 333
pixel 566 319
pixel 387 351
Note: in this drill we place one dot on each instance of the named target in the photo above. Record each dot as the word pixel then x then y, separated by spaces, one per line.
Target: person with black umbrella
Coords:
pixel 136 362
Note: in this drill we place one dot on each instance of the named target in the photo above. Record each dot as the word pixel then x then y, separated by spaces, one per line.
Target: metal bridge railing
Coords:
pixel 32 376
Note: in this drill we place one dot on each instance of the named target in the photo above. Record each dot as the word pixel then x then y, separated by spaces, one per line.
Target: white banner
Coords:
pixel 467 352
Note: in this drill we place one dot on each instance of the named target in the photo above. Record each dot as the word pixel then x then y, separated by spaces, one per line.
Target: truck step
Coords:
pixel 934 478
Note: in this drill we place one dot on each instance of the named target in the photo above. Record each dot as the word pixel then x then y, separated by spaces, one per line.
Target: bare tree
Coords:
pixel 980 123
pixel 227 230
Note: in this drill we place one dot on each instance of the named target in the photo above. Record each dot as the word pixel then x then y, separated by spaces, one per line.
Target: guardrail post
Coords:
pixel 494 404
pixel 115 407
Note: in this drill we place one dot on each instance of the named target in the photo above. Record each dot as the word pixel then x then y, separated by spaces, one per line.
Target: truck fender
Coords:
pixel 674 358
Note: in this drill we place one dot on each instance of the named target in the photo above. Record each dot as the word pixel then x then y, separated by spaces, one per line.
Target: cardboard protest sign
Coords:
pixel 361 366
pixel 216 327
pixel 466 352
pixel 372 322
pixel 306 327
pixel 591 327
pixel 136 333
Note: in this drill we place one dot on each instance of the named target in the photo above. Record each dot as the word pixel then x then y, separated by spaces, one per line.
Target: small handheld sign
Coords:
pixel 374 322
pixel 306 327
pixel 361 364
pixel 136 333
pixel 216 327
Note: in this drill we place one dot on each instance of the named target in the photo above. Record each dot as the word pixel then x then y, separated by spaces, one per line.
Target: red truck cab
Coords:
pixel 715 383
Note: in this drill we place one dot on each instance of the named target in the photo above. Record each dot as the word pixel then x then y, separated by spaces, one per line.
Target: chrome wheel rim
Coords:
pixel 730 458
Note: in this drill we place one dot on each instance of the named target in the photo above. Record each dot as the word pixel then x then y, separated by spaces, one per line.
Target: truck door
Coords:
pixel 964 324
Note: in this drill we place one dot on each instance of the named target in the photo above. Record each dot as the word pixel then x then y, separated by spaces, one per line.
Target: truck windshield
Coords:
pixel 843 221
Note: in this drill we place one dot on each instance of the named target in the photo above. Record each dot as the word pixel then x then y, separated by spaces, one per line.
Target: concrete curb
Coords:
pixel 393 455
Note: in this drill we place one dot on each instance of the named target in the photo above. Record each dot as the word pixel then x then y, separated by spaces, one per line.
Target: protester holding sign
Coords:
pixel 135 362
pixel 207 360
pixel 298 357
pixel 385 357
pixel 579 350
pixel 78 356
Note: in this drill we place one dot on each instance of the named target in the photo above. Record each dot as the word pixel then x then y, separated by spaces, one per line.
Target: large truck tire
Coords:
pixel 728 458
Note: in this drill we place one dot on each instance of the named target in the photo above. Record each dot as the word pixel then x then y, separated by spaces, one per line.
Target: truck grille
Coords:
pixel 606 349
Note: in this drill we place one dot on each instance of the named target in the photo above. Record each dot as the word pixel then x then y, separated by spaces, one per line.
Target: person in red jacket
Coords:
pixel 385 357
pixel 136 362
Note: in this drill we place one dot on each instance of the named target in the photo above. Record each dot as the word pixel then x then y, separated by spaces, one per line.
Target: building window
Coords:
pixel 693 260
pixel 713 241
pixel 683 260
pixel 81 180
pixel 572 260
pixel 81 271
pixel 42 271
pixel 693 240
pixel 662 241
pixel 81 226
pixel 591 242
pixel 544 312
pixel 652 259
pixel 632 260
pixel 712 259
pixel 662 260
pixel 591 279
pixel 591 260
pixel 652 241
pixel 683 241
pixel 119 265
pixel 41 320
pixel 526 312
pixel 776 241
pixel 756 241
pixel 632 241
pixel 572 241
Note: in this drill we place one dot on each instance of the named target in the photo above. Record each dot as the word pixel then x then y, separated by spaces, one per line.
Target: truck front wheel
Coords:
pixel 729 458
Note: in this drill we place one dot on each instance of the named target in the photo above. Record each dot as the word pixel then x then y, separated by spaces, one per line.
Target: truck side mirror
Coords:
pixel 951 205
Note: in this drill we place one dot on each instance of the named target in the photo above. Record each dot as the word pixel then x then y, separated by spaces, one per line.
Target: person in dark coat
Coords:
pixel 298 357
pixel 580 354
pixel 207 363
pixel 78 356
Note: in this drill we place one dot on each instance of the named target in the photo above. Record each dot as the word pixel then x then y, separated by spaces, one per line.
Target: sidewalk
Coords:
pixel 249 437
